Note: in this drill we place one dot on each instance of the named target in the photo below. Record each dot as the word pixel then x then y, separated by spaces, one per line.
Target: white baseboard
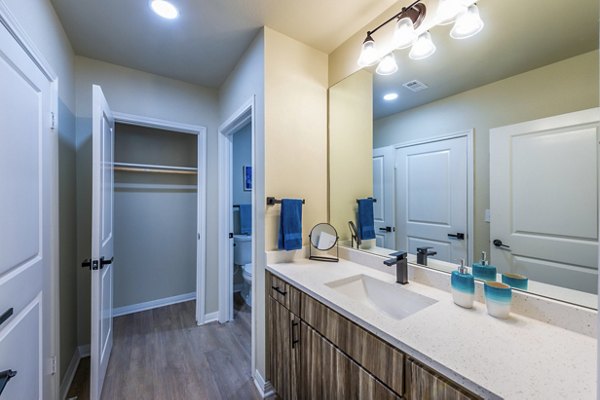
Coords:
pixel 149 305
pixel 69 374
pixel 211 317
pixel 264 388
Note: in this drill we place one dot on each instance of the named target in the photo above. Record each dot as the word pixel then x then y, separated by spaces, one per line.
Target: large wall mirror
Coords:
pixel 489 145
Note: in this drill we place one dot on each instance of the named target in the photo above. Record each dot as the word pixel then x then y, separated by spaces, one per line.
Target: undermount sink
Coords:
pixel 388 298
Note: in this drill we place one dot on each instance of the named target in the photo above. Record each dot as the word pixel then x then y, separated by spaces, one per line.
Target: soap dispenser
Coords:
pixel 463 286
pixel 483 270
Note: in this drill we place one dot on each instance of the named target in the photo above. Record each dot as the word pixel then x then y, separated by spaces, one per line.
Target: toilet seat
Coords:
pixel 247 270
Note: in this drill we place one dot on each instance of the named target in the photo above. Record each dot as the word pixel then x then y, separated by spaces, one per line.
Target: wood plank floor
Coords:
pixel 162 354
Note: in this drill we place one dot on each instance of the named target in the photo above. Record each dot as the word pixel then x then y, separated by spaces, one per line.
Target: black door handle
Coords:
pixel 6 315
pixel 459 235
pixel 498 243
pixel 5 376
pixel 87 263
pixel 386 229
pixel 104 262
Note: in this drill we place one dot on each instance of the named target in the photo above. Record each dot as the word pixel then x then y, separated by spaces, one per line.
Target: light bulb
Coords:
pixel 423 47
pixel 404 34
pixel 468 23
pixel 164 9
pixel 448 10
pixel 387 65
pixel 368 54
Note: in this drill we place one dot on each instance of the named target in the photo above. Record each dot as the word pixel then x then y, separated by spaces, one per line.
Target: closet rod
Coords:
pixel 156 171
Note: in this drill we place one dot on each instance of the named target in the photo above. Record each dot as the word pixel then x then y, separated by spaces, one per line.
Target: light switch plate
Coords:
pixel 486 216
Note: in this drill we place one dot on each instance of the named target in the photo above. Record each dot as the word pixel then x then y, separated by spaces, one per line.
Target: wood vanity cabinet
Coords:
pixel 315 353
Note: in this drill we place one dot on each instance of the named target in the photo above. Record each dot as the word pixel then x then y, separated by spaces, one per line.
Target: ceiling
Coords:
pixel 203 45
pixel 518 36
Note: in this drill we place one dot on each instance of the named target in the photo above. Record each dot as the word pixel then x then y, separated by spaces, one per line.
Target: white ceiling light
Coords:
pixel 423 47
pixel 164 9
pixel 404 34
pixel 368 54
pixel 388 65
pixel 467 24
pixel 448 10
pixel 390 96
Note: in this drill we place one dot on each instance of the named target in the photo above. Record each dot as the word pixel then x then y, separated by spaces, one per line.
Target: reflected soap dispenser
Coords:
pixel 483 270
pixel 463 286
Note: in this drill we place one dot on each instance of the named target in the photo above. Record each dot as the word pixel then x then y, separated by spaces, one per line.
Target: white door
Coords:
pixel 26 177
pixel 383 192
pixel 431 195
pixel 102 240
pixel 544 199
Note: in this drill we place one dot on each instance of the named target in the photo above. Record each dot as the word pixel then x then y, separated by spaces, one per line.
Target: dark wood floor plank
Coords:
pixel 162 354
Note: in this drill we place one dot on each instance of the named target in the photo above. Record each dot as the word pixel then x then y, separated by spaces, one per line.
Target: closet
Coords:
pixel 155 217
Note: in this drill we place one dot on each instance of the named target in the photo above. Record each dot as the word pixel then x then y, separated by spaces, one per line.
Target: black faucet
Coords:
pixel 399 261
pixel 422 253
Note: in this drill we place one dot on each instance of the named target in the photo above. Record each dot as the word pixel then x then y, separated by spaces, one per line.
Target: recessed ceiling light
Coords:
pixel 390 96
pixel 164 9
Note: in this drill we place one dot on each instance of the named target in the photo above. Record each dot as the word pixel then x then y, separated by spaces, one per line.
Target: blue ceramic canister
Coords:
pixel 517 281
pixel 498 297
pixel 483 270
pixel 463 286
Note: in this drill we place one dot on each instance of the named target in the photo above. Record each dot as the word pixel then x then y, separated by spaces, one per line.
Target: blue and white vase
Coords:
pixel 498 297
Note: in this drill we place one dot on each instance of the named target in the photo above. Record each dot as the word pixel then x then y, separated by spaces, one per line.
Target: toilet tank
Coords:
pixel 242 249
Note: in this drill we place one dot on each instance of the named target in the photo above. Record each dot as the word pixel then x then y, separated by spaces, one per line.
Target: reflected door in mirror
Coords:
pixel 431 195
pixel 544 199
pixel 383 192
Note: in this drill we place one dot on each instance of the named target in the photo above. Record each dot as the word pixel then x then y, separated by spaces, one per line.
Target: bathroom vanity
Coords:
pixel 346 330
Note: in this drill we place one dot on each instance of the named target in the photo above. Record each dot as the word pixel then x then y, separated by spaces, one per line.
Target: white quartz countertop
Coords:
pixel 516 358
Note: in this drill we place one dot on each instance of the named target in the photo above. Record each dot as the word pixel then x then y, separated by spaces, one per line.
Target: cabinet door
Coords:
pixel 424 385
pixel 283 355
pixel 327 373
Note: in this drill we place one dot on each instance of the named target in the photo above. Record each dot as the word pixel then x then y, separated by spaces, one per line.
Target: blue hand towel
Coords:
pixel 290 227
pixel 366 221
pixel 246 219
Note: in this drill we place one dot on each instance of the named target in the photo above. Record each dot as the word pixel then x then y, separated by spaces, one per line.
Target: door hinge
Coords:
pixel 52 365
pixel 52 120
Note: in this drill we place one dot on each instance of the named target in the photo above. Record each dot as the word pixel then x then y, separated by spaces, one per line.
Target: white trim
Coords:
pixel 10 22
pixel 152 304
pixel 211 317
pixel 69 374
pixel 265 389
pixel 469 134
pixel 200 131
pixel 241 116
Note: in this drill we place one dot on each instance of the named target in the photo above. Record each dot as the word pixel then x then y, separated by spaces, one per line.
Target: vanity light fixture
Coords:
pixel 390 96
pixel 164 9
pixel 464 14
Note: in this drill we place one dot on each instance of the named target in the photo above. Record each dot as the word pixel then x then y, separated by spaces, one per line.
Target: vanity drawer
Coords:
pixel 373 354
pixel 423 384
pixel 284 293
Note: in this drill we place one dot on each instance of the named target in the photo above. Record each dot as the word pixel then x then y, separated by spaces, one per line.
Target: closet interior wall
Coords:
pixel 155 207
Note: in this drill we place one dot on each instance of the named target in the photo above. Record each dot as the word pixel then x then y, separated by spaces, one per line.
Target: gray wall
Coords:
pixel 242 155
pixel 40 22
pixel 140 93
pixel 566 86
pixel 154 225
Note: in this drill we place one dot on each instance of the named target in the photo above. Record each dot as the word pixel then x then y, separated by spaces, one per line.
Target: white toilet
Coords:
pixel 242 257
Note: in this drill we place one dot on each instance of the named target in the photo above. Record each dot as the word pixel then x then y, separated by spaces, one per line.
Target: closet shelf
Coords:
pixel 153 168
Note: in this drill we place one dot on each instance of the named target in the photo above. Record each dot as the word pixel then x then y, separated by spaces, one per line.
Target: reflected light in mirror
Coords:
pixel 404 34
pixel 467 24
pixel 390 96
pixel 422 48
pixel 388 65
pixel 164 9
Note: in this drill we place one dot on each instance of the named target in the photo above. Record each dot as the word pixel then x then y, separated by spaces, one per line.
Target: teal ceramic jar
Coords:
pixel 517 281
pixel 483 270
pixel 498 297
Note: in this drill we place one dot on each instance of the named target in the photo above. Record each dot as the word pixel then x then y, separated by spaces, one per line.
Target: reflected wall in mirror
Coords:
pixel 500 147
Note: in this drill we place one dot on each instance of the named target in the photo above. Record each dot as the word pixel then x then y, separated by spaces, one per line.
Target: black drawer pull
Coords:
pixel 5 376
pixel 6 315
pixel 281 292
pixel 295 340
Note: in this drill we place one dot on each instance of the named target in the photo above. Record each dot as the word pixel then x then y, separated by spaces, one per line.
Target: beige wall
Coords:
pixel 350 164
pixel 295 130
pixel 566 86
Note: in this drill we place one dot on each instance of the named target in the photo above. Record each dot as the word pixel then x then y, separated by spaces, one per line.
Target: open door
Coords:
pixel 102 240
